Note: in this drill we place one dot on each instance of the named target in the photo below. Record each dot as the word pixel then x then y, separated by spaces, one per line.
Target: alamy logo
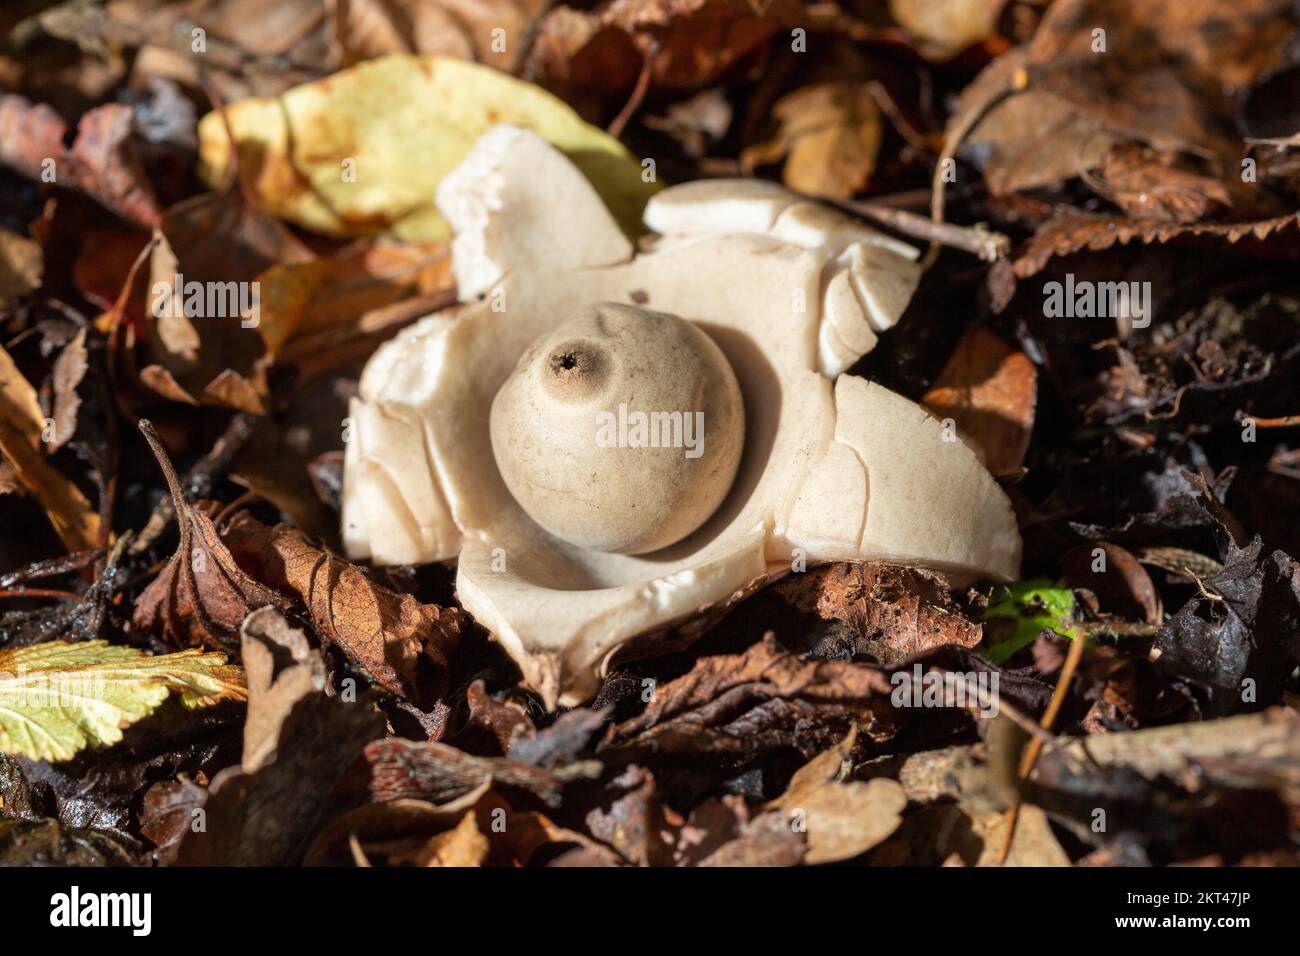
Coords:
pixel 651 430
pixel 1098 300
pixel 221 300
pixel 922 688
pixel 75 908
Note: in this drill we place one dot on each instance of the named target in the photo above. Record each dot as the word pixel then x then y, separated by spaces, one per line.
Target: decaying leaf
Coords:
pixel 895 612
pixel 946 27
pixel 22 427
pixel 842 819
pixel 401 643
pixel 58 698
pixel 202 596
pixel 405 769
pixel 363 152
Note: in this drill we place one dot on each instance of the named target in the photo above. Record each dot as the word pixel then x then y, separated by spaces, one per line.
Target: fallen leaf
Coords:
pixel 895 612
pixel 1239 639
pixel 362 152
pixel 392 636
pixel 428 770
pixel 829 135
pixel 48 843
pixel 57 698
pixel 946 27
pixel 495 32
pixel 202 596
pixel 282 669
pixel 1068 234
pixel 842 819
pixel 21 264
pixel 462 846
pixel 21 429
pixel 990 391
pixel 598 54
pixel 101 161
pixel 766 698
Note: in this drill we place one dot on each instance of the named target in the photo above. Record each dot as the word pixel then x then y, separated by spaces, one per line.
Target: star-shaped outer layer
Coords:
pixel 833 468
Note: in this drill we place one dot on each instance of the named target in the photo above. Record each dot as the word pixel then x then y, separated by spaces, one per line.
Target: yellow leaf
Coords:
pixel 21 427
pixel 361 152
pixel 58 698
pixel 830 135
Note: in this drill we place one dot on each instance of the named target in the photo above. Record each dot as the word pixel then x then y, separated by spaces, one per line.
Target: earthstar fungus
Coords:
pixel 452 414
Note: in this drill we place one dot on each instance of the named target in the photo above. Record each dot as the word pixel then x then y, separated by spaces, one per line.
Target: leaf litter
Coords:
pixel 169 481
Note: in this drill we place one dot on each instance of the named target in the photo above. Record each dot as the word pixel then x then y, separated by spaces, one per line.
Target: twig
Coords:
pixel 22 592
pixel 1030 756
pixel 978 239
pixel 952 142
pixel 200 479
pixel 1286 421
pixel 633 103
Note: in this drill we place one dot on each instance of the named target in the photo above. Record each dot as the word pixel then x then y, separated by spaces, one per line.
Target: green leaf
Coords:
pixel 1018 613
pixel 362 152
pixel 58 698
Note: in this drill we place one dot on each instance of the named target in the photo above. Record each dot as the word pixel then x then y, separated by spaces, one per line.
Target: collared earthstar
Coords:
pixel 833 467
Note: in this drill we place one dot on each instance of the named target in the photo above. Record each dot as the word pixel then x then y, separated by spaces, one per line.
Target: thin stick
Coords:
pixel 633 103
pixel 978 239
pixel 39 593
pixel 952 142
pixel 1030 756
pixel 1287 421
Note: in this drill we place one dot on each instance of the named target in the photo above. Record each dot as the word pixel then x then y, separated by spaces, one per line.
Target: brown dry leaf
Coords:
pixel 304 299
pixel 897 611
pixel 202 596
pixel 428 770
pixel 388 634
pixel 21 266
pixel 841 819
pixel 1148 185
pixel 101 162
pixel 946 27
pixel 1093 83
pixel 1118 579
pixel 990 391
pixel 495 32
pixel 597 54
pixel 1034 844
pixel 217 245
pixel 1069 234
pixel 270 817
pixel 829 134
pixel 281 668
pixel 21 428
pixel 463 845
pixel 69 372
pixel 744 704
